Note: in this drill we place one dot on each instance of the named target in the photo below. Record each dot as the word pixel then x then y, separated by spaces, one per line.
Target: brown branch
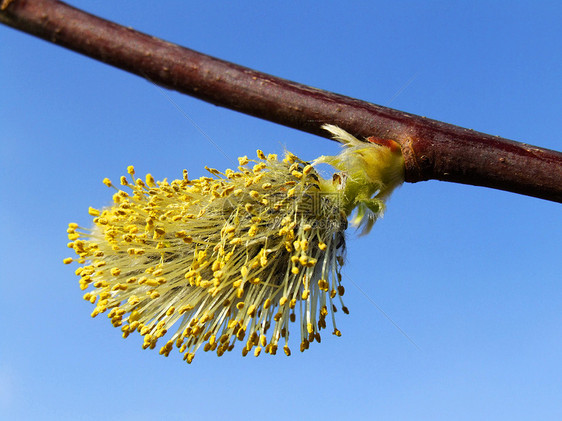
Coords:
pixel 432 149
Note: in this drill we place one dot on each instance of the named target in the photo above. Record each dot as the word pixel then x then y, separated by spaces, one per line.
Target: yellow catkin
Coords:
pixel 228 256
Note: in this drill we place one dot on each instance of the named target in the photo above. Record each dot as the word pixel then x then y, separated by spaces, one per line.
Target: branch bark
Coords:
pixel 432 149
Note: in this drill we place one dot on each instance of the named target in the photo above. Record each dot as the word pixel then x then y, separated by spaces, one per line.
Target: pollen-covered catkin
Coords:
pixel 223 259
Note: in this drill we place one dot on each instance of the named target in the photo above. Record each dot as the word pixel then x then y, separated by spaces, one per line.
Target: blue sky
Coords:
pixel 471 275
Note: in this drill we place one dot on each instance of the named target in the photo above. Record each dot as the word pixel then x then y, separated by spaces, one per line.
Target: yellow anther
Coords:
pixel 132 229
pixel 292 303
pixel 243 160
pixel 115 271
pixel 253 230
pixel 235 241
pixel 170 311
pixel 311 262
pixel 307 170
pixel 257 168
pixel 287 351
pixel 99 263
pixel 124 181
pixel 266 186
pixel 260 154
pixel 154 295
pixel 131 169
pixel 337 332
pixel 309 328
pixel 254 194
pixel 251 310
pixel 296 174
pixel 227 191
pixel 267 304
pixel 73 236
pixel 107 182
pixel 305 294
pixel 185 309
pixel 212 170
pixel 150 180
pixel 290 158
pixel 257 351
pixel 322 246
pixel 283 300
pixel 93 212
pixel 67 261
pixel 240 305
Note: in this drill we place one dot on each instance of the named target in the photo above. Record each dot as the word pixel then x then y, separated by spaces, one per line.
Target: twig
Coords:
pixel 432 149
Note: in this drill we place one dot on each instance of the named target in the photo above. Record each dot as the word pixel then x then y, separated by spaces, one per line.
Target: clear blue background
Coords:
pixel 471 275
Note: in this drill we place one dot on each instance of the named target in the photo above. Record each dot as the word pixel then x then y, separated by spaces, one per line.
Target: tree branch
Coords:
pixel 432 149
